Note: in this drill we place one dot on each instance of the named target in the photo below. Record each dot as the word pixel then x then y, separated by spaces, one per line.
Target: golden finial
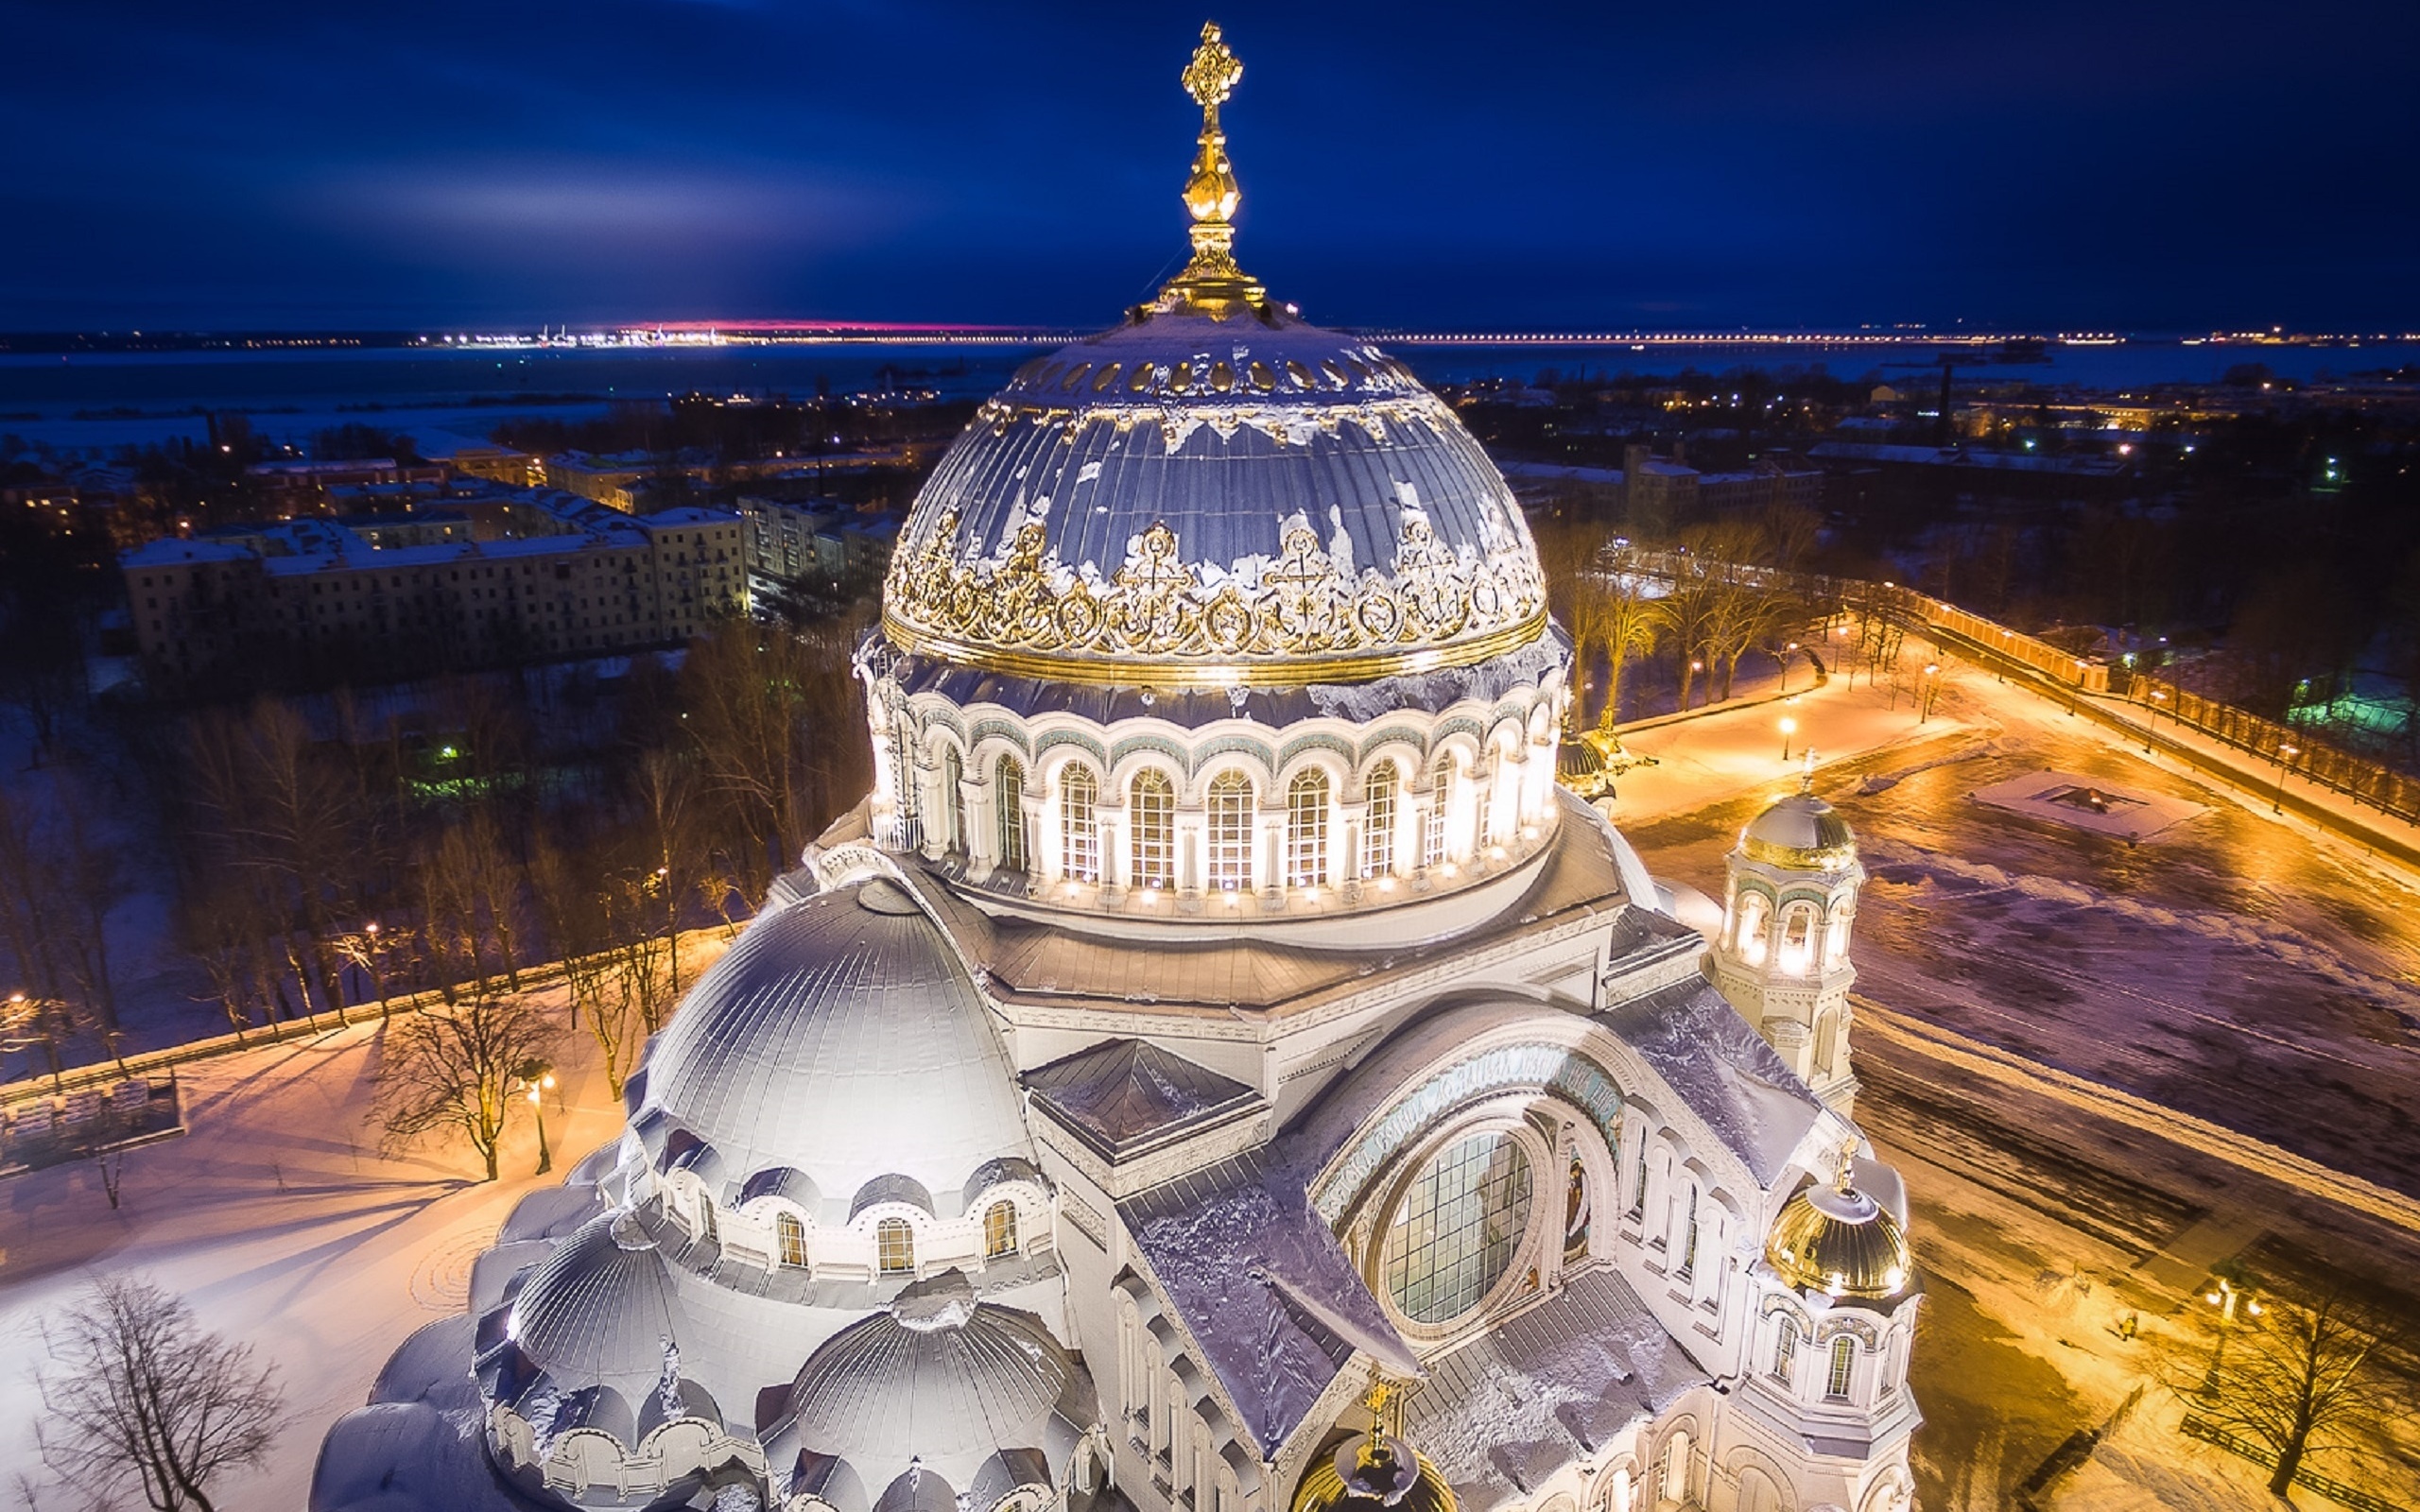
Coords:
pixel 1212 281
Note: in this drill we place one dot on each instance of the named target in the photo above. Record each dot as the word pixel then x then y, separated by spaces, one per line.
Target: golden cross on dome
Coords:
pixel 1214 72
pixel 1211 282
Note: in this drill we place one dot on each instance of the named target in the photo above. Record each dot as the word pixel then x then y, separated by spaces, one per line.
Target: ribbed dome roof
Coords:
pixel 939 1378
pixel 599 1310
pixel 840 1038
pixel 1800 832
pixel 1215 494
pixel 1838 1240
pixel 1190 501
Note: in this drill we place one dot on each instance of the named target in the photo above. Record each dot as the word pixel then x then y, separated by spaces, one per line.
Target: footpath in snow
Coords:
pixel 281 1222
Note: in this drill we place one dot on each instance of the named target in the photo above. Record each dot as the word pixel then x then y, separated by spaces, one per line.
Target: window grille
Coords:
pixel 1378 827
pixel 1230 820
pixel 1150 815
pixel 1079 829
pixel 999 1230
pixel 1009 795
pixel 895 1245
pixel 1306 830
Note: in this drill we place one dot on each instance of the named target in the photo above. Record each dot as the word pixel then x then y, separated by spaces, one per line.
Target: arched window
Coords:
pixel 1748 936
pixel 1486 814
pixel 1638 1180
pixel 1150 815
pixel 1378 827
pixel 1009 794
pixel 1689 1238
pixel 1230 822
pixel 1079 829
pixel 1306 830
pixel 953 801
pixel 999 1229
pixel 792 1234
pixel 1432 824
pixel 1786 1350
pixel 894 1247
pixel 1836 937
pixel 1677 1454
pixel 1798 938
pixel 1835 1380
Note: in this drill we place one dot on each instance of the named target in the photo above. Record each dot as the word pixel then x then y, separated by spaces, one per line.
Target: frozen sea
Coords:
pixel 96 403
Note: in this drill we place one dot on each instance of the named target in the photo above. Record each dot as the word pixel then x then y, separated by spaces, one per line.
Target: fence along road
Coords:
pixel 2085 685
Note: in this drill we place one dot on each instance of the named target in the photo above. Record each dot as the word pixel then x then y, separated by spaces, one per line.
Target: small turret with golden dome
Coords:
pixel 1782 958
pixel 1840 1240
pixel 1376 1471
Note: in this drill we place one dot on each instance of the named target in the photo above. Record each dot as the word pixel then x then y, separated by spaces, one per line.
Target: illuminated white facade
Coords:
pixel 1216 1007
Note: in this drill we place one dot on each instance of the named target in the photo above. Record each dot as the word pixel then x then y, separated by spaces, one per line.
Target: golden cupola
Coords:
pixel 1840 1240
pixel 1376 1471
pixel 1215 495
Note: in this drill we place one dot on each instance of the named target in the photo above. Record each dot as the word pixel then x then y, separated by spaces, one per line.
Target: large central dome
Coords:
pixel 1215 494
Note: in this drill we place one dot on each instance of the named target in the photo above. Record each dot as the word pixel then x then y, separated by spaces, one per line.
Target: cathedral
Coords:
pixel 1219 1067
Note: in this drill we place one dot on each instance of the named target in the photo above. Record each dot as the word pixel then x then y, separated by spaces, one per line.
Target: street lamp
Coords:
pixel 2151 726
pixel 1932 686
pixel 539 1077
pixel 2285 754
pixel 1788 728
pixel 2227 1297
pixel 1788 652
pixel 377 971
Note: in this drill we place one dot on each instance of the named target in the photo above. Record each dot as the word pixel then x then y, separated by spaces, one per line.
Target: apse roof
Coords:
pixel 1122 1096
pixel 806 1045
pixel 1262 1287
pixel 1723 1069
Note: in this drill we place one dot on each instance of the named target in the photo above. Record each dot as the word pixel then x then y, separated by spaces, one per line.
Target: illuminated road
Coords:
pixel 2237 969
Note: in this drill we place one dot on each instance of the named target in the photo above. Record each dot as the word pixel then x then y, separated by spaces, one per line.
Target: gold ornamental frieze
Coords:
pixel 1299 619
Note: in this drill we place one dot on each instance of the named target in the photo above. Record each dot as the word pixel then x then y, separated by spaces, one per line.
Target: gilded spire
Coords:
pixel 1212 281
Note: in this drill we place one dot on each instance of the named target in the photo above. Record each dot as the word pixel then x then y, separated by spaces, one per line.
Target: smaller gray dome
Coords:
pixel 600 1309
pixel 938 1380
pixel 1801 833
pixel 839 1041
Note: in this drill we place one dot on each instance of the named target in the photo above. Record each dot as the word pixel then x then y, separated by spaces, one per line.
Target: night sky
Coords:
pixel 442 165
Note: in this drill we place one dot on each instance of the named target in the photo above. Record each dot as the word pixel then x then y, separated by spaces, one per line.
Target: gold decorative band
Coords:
pixel 1257 672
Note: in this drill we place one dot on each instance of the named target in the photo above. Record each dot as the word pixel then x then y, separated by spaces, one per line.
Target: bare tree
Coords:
pixel 2298 1377
pixel 137 1391
pixel 456 1069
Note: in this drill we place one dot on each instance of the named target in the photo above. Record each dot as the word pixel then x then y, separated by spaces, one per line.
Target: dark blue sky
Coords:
pixel 444 164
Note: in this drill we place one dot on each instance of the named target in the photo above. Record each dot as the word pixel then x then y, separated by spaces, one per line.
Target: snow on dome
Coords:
pixel 944 1301
pixel 1801 833
pixel 839 1039
pixel 940 1382
pixel 1193 501
pixel 601 1310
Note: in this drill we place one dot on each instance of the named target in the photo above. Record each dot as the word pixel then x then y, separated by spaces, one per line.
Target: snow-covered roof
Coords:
pixel 1123 1096
pixel 1547 1387
pixel 941 1381
pixel 839 1038
pixel 1262 1287
pixel 1723 1070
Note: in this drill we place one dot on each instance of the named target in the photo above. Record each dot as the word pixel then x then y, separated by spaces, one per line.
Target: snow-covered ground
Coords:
pixel 281 1222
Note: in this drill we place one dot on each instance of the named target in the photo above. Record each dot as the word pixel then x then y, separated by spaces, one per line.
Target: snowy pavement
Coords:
pixel 281 1222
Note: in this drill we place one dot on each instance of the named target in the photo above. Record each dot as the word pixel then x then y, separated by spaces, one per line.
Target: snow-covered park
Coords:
pixel 283 1226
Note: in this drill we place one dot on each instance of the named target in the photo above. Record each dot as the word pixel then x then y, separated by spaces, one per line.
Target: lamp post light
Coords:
pixel 1696 666
pixel 2227 1298
pixel 538 1077
pixel 1788 651
pixel 1788 728
pixel 378 966
pixel 2285 754
pixel 2151 726
pixel 1932 686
